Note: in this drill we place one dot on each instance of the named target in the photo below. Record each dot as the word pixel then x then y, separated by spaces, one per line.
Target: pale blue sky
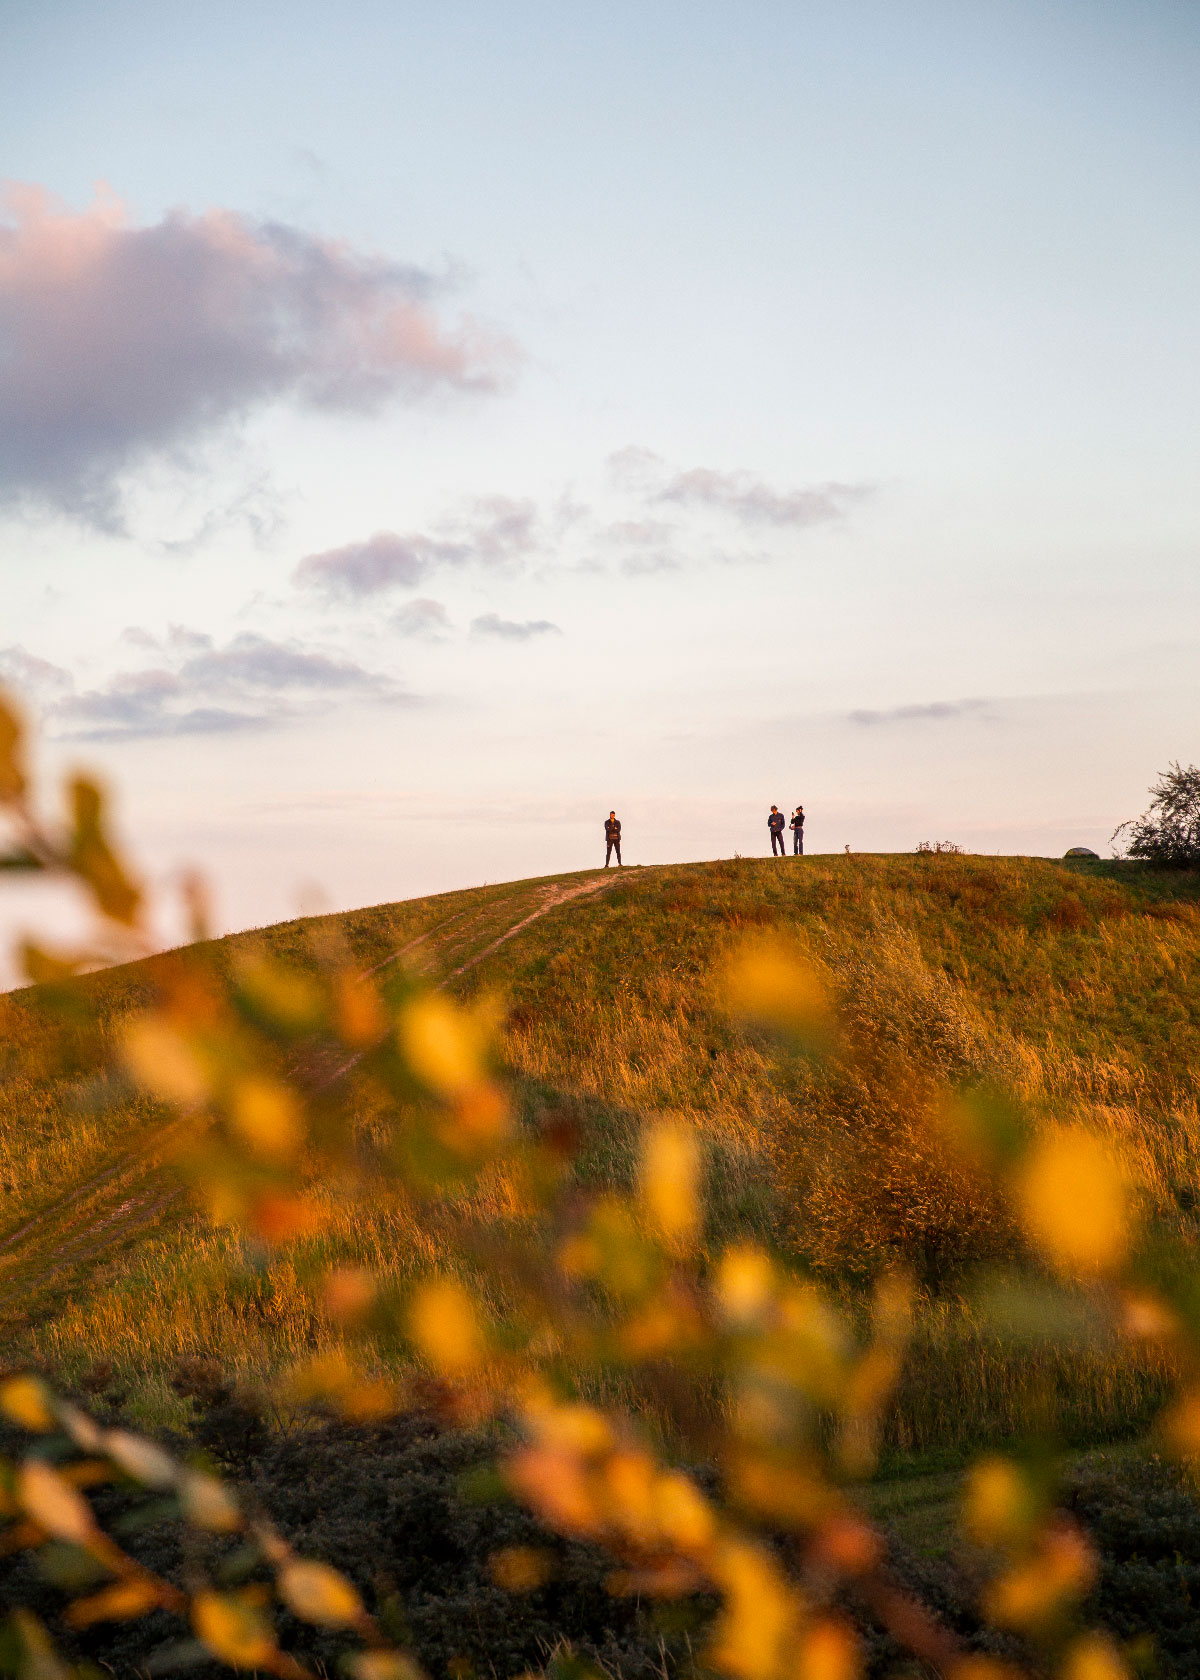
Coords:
pixel 938 264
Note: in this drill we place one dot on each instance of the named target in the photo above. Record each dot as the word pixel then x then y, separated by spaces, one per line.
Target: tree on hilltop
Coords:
pixel 1168 833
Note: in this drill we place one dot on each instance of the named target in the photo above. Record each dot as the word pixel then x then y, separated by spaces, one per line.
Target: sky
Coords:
pixel 425 428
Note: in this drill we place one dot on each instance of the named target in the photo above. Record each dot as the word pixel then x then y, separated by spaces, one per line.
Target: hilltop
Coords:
pixel 1075 985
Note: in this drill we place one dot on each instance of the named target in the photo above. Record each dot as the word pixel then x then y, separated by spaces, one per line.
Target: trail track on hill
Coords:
pixel 114 1208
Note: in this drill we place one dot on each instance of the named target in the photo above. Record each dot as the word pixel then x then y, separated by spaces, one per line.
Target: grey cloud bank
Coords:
pixel 251 682
pixel 513 630
pixel 934 711
pixel 489 531
pixel 119 342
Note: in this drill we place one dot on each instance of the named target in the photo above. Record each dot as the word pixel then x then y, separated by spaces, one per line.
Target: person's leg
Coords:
pixel 776 844
pixel 800 842
pixel 608 845
pixel 620 865
pixel 795 842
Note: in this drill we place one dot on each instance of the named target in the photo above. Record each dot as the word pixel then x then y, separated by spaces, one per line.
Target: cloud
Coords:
pixel 490 531
pixel 422 617
pixel 26 673
pixel 513 630
pixel 935 711
pixel 250 683
pixel 121 342
pixel 751 501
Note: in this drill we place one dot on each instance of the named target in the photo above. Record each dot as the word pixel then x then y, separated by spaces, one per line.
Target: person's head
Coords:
pixel 611 814
pixel 774 807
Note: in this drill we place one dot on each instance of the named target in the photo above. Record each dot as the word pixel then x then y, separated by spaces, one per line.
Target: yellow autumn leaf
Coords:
pixel 384 1665
pixel 768 983
pixel 141 1459
pixel 163 1062
pixel 267 1115
pixel 669 1183
pixel 745 1285
pixel 1075 1202
pixel 443 1044
pixel 829 1651
pixel 1000 1506
pixel 234 1631
pixel 92 858
pixel 318 1594
pixel 12 756
pixel 118 1603
pixel 443 1323
pixel 1094 1658
pixel 53 1504
pixel 26 1400
pixel 755 1636
pixel 207 1503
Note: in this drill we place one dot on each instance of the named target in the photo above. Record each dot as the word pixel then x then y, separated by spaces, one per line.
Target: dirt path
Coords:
pixel 124 1199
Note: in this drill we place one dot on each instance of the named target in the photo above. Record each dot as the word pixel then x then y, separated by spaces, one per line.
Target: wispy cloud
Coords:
pixel 754 502
pixel 119 342
pixel 513 630
pixel 251 682
pixel 422 617
pixel 490 531
pixel 934 711
pixel 737 494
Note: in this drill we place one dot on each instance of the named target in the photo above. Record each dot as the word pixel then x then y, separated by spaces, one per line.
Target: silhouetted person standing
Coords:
pixel 612 839
pixel 775 824
pixel 798 831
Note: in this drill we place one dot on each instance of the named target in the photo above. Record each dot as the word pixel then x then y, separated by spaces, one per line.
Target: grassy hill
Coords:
pixel 1074 985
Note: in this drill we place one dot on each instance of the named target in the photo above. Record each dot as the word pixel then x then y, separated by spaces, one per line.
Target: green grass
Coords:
pixel 1075 984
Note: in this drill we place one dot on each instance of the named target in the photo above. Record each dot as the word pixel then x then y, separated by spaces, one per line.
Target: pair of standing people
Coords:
pixel 776 825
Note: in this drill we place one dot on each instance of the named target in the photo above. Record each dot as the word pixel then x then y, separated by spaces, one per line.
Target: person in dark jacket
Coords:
pixel 798 831
pixel 775 825
pixel 612 839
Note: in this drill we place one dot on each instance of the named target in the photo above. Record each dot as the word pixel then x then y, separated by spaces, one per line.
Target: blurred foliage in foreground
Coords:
pixel 571 1317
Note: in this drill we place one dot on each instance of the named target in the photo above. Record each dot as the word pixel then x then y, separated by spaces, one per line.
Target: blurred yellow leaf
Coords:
pixel 349 1292
pixel 207 1503
pixel 92 858
pixel 48 968
pixel 319 1594
pixel 685 1518
pixel 141 1459
pixel 767 983
pixel 1094 1658
pixel 519 1569
pixel 361 1017
pixel 267 1115
pixel 37 1657
pixel 445 1327
pixel 285 995
pixel 756 1633
pixel 1075 1202
pixel 669 1183
pixel 118 1603
pixel 26 1400
pixel 1001 1506
pixel 745 1285
pixel 443 1044
pixel 12 756
pixel 1035 1592
pixel 164 1063
pixel 828 1651
pixel 233 1630
pixel 384 1665
pixel 53 1504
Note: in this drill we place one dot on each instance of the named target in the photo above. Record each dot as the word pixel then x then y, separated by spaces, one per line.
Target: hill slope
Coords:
pixel 1078 985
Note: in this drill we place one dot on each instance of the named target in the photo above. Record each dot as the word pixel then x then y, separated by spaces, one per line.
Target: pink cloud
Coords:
pixel 118 341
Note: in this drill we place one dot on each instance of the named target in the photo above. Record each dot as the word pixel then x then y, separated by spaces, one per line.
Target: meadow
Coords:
pixel 1073 988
